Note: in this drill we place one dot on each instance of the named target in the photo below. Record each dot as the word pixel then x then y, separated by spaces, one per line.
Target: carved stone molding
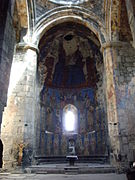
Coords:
pixel 68 2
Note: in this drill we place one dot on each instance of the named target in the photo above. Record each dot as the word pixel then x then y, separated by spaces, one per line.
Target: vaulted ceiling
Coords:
pixel 112 14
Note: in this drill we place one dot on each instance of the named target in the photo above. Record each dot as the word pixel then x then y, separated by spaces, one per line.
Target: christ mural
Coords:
pixel 70 68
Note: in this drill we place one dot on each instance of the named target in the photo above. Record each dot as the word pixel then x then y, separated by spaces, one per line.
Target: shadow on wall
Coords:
pixel 1 153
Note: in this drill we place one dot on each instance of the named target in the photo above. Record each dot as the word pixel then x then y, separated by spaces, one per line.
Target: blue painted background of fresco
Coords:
pixel 91 137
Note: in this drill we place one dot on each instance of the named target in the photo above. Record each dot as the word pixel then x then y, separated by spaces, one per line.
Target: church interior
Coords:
pixel 67 83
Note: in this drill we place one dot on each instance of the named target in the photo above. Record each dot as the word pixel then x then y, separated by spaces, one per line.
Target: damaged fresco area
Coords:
pixel 91 136
pixel 70 71
pixel 43 6
pixel 70 60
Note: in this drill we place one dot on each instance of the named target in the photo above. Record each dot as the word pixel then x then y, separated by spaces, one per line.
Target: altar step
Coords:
pixel 71 170
pixel 62 159
pixel 81 168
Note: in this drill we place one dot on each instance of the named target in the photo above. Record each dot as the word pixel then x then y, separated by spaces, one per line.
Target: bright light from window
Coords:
pixel 19 70
pixel 69 121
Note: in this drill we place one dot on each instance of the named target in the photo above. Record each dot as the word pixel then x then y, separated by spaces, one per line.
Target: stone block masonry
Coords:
pixel 19 115
pixel 7 41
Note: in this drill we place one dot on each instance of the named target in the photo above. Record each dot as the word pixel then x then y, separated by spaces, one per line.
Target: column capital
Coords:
pixel 25 46
pixel 113 44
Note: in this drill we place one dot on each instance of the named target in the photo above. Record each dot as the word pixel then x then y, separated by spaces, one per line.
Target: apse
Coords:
pixel 71 92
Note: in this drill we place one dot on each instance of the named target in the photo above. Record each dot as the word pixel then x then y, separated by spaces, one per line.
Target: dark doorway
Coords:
pixel 1 153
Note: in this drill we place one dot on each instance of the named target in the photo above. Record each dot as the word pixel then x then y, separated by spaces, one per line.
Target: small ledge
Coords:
pixel 114 44
pixel 25 46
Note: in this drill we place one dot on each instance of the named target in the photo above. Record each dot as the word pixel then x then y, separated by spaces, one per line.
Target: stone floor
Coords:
pixel 5 176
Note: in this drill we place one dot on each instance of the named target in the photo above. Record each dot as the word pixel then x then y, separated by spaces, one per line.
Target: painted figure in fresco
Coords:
pixel 48 147
pixel 56 144
pixel 90 117
pixel 93 144
pixel 49 64
pixel 49 117
pixel 59 67
pixel 63 145
pixel 58 121
pixel 86 145
pixel 71 74
pixel 91 70
pixel 20 154
pixel 75 72
pixel 58 73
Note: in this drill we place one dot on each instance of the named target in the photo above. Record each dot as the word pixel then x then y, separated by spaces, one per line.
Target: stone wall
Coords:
pixel 19 115
pixel 119 61
pixel 7 41
pixel 125 90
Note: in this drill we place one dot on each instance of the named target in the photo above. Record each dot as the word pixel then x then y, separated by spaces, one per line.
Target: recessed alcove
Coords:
pixel 71 91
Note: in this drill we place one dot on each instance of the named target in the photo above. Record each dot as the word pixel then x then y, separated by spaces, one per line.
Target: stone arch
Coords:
pixel 41 32
pixel 69 14
pixel 112 18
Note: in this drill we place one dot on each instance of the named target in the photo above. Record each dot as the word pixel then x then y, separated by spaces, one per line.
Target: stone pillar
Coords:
pixel 119 65
pixel 110 58
pixel 19 115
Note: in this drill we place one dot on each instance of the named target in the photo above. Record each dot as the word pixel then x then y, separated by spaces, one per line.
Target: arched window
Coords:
pixel 70 119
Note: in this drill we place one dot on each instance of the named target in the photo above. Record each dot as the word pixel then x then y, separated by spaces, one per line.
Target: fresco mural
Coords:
pixel 68 60
pixel 70 70
pixel 91 136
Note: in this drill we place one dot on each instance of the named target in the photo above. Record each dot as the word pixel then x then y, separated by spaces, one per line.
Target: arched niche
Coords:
pixel 71 72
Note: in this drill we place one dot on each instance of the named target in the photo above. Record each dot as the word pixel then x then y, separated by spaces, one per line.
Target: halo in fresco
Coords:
pixel 68 2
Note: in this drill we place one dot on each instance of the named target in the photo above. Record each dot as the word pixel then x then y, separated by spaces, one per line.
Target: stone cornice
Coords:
pixel 114 44
pixel 25 46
